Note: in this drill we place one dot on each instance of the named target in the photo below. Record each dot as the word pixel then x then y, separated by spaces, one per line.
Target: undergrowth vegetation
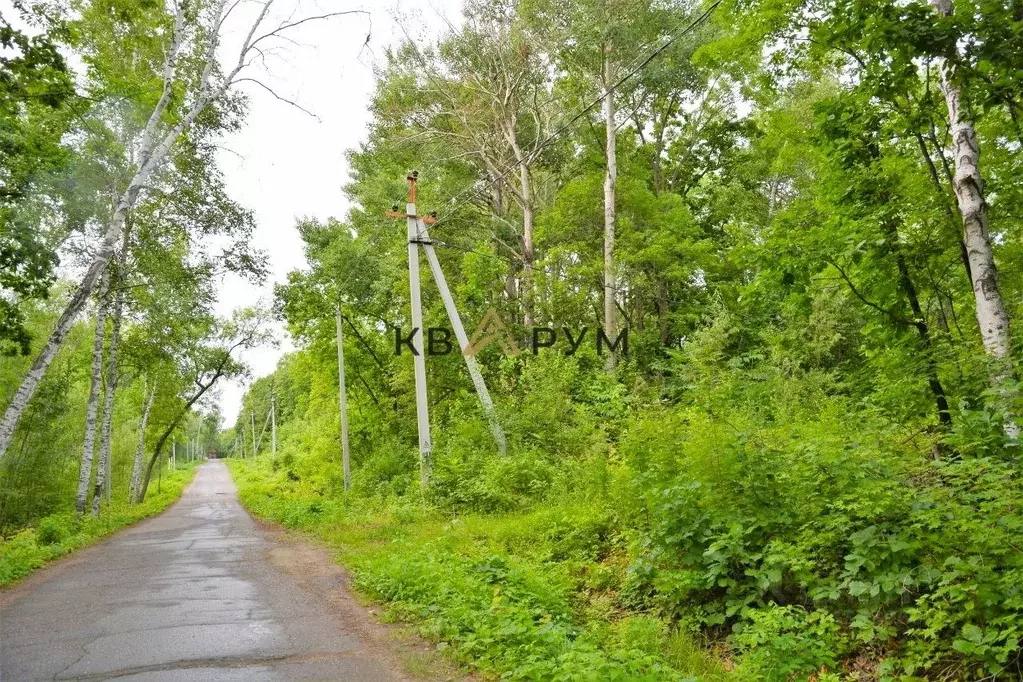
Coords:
pixel 520 596
pixel 760 532
pixel 61 533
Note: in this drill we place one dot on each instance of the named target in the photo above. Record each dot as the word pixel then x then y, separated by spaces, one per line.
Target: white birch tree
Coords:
pixel 136 471
pixel 968 185
pixel 610 209
pixel 95 381
pixel 194 37
pixel 113 376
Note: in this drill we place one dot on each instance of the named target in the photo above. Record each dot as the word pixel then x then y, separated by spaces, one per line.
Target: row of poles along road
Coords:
pixel 191 451
pixel 252 448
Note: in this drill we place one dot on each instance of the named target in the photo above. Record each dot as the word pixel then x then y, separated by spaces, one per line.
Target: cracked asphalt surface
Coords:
pixel 187 595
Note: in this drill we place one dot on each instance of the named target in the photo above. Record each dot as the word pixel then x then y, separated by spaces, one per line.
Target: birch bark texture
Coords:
pixel 526 201
pixel 113 375
pixel 92 408
pixel 968 184
pixel 610 209
pixel 136 470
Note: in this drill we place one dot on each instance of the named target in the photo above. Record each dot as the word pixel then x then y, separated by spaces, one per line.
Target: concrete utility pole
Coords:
pixel 419 357
pixel 252 432
pixel 342 399
pixel 273 424
pixel 418 235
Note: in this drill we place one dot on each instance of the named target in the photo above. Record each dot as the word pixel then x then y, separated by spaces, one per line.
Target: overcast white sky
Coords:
pixel 284 164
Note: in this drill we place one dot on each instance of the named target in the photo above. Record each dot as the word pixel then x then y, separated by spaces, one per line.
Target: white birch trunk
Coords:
pixel 92 408
pixel 968 185
pixel 610 214
pixel 526 190
pixel 152 152
pixel 105 446
pixel 147 163
pixel 136 472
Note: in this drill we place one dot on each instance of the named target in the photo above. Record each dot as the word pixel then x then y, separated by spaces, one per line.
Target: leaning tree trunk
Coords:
pixel 102 477
pixel 181 415
pixel 610 182
pixel 96 270
pixel 968 184
pixel 67 319
pixel 88 448
pixel 154 146
pixel 136 472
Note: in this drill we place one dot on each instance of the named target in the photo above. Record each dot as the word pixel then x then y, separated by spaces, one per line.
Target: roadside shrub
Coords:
pixel 503 617
pixel 783 641
pixel 801 539
pixel 53 530
pixel 58 534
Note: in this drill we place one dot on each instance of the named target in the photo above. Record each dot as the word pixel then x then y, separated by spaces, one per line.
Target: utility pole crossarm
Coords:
pixel 419 237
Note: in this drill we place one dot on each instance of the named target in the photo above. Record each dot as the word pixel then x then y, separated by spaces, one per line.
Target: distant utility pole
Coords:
pixel 273 425
pixel 345 465
pixel 418 236
pixel 252 431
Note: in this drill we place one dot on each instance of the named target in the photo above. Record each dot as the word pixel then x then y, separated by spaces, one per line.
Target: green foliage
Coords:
pixel 799 471
pixel 36 101
pixel 799 467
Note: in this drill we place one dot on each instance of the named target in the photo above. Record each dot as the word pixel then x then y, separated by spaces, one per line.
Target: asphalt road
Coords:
pixel 187 595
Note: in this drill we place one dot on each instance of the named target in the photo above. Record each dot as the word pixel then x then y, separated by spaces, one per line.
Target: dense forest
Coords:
pixel 799 221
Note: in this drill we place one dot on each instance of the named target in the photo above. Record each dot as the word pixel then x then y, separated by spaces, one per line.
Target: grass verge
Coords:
pixel 530 596
pixel 60 534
